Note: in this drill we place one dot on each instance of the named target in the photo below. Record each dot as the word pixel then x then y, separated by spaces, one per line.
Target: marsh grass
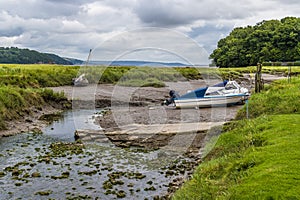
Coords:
pixel 35 76
pixel 138 76
pixel 46 75
pixel 17 102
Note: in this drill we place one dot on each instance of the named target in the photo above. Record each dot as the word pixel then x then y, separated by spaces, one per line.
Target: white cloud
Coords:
pixel 147 42
pixel 71 28
pixel 103 18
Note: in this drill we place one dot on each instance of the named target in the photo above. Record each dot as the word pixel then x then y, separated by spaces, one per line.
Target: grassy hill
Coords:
pixel 25 56
pixel 256 158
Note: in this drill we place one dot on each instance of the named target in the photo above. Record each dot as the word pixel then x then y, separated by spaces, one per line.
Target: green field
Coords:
pixel 56 75
pixel 256 158
pixel 45 75
pixel 36 76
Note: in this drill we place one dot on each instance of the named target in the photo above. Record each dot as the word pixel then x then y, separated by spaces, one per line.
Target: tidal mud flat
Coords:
pixel 136 109
pixel 133 118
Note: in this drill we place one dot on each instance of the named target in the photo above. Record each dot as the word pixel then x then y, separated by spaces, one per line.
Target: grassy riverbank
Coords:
pixel 15 102
pixel 256 158
pixel 22 89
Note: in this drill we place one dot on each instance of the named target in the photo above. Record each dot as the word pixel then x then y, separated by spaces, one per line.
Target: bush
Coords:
pixel 189 73
pixel 49 95
pixel 277 63
pixel 267 64
pixel 150 82
pixel 297 63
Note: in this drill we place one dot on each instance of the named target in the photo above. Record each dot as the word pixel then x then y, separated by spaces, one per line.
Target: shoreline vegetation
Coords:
pixel 22 86
pixel 254 158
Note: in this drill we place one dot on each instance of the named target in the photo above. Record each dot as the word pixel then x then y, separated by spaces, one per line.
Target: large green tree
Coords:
pixel 272 40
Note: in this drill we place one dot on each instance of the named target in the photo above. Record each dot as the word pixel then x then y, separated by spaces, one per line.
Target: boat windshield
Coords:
pixel 230 86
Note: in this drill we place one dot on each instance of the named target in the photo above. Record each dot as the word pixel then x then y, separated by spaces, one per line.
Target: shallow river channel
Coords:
pixel 52 165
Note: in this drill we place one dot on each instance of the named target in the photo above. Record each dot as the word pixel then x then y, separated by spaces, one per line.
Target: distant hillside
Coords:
pixel 137 63
pixel 27 56
pixel 74 61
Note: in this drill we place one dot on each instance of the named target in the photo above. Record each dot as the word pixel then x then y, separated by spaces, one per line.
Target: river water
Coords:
pixel 52 165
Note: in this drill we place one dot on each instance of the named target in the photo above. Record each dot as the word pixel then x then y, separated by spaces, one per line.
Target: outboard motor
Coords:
pixel 173 95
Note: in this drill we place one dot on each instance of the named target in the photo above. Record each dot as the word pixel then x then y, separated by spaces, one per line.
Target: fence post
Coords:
pixel 247 109
pixel 258 79
pixel 289 74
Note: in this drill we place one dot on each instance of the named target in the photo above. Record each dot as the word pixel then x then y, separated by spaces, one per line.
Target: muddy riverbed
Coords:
pixel 52 165
pixel 142 105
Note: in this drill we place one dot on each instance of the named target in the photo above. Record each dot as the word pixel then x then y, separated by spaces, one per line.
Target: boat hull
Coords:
pixel 209 101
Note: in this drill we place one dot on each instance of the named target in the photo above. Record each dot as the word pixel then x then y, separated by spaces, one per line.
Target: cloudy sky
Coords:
pixel 161 30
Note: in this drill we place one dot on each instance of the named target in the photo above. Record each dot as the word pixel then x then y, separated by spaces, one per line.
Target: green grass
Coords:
pixel 28 76
pixel 46 75
pixel 265 69
pixel 17 102
pixel 35 76
pixel 256 158
pixel 138 76
pixel 279 98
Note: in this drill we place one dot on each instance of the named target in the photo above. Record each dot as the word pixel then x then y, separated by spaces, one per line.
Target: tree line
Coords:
pixel 26 56
pixel 267 41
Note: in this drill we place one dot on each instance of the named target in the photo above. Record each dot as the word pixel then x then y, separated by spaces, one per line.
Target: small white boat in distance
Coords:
pixel 222 94
pixel 80 81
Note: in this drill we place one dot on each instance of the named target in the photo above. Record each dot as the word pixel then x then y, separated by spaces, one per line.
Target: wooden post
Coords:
pixel 258 79
pixel 289 74
pixel 247 109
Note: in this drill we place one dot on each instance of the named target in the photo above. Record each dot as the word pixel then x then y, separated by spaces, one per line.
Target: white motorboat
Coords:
pixel 222 94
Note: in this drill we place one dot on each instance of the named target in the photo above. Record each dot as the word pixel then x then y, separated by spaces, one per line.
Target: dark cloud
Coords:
pixel 157 13
pixel 183 12
pixel 11 32
pixel 210 29
pixel 76 2
pixel 40 9
pixel 209 35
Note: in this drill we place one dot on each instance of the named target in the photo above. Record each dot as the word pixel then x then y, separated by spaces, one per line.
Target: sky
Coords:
pixel 156 30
